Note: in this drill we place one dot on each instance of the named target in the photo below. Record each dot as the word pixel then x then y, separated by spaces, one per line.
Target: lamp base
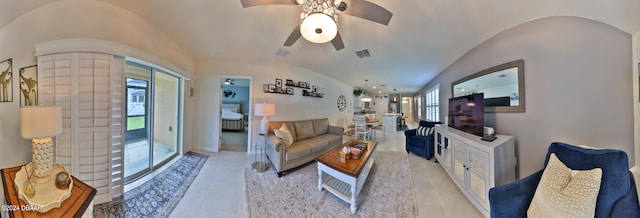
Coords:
pixel 264 125
pixel 42 150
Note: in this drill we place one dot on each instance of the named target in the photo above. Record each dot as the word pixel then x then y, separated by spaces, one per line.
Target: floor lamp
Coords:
pixel 263 110
pixel 40 124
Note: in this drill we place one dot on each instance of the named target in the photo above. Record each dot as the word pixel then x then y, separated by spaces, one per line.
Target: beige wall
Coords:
pixel 577 85
pixel 288 107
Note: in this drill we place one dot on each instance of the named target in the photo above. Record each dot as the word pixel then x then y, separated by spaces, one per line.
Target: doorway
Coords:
pixel 235 111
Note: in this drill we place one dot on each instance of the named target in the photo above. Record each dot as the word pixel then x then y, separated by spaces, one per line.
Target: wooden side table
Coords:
pixel 75 206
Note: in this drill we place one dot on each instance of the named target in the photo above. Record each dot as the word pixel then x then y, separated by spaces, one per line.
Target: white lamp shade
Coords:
pixel 40 122
pixel 318 28
pixel 265 110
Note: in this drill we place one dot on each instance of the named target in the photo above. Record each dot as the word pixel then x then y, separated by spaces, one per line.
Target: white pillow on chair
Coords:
pixel 563 192
pixel 424 131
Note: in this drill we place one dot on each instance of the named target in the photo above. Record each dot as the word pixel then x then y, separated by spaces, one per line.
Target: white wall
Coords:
pixel 288 107
pixel 73 19
pixel 577 86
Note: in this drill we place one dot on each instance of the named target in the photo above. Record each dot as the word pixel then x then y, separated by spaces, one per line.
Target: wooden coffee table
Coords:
pixel 345 180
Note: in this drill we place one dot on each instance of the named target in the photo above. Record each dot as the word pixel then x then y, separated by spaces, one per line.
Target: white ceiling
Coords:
pixel 422 39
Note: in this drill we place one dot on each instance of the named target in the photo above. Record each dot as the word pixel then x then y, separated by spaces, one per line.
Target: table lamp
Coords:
pixel 265 110
pixel 40 124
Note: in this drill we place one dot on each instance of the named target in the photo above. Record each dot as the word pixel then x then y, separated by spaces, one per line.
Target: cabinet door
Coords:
pixel 478 169
pixel 459 161
pixel 446 153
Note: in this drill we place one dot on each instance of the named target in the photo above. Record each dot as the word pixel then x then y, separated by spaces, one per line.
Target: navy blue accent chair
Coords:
pixel 617 196
pixel 420 145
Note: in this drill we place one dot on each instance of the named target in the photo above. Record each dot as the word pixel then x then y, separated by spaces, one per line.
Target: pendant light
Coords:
pixel 365 97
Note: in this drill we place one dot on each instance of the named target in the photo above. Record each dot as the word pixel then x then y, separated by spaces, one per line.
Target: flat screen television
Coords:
pixel 466 113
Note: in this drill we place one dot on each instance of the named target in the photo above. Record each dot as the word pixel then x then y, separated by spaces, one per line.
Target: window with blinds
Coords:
pixel 419 106
pixel 432 104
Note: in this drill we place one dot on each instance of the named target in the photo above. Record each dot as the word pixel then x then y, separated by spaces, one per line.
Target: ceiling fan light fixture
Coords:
pixel 319 21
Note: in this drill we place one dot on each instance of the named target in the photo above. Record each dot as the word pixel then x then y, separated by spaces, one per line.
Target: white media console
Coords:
pixel 475 165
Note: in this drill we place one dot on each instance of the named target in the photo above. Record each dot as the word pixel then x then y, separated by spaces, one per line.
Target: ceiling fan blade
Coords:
pixel 368 11
pixel 337 42
pixel 293 37
pixel 251 3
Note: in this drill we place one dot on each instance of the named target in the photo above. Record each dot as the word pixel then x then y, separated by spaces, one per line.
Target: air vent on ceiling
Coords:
pixel 363 53
pixel 282 53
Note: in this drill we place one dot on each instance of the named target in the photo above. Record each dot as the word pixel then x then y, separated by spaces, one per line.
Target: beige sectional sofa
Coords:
pixel 311 138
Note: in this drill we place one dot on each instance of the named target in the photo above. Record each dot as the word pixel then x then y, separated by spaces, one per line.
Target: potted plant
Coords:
pixel 357 92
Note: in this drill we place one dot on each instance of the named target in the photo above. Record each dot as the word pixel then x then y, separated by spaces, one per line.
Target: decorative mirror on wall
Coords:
pixel 502 85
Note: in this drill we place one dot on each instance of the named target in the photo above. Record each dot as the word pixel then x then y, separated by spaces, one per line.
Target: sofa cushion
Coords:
pixel 304 129
pixel 284 134
pixel 563 192
pixel 316 144
pixel 320 126
pixel 297 150
pixel 332 138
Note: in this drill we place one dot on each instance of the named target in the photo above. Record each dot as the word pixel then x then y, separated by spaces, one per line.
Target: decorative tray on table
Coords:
pixel 47 195
pixel 357 149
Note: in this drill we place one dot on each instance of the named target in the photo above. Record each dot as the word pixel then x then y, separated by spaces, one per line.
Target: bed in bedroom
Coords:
pixel 232 118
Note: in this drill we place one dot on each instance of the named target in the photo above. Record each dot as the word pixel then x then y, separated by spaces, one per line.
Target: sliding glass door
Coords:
pixel 153 108
pixel 165 116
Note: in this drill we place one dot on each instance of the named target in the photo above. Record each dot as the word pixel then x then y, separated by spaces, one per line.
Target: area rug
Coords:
pixel 388 192
pixel 158 196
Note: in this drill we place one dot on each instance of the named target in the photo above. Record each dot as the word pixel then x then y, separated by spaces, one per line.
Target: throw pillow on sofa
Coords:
pixel 424 131
pixel 563 192
pixel 284 134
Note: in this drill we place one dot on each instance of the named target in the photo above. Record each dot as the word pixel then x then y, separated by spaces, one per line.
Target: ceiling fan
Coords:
pixel 228 82
pixel 319 20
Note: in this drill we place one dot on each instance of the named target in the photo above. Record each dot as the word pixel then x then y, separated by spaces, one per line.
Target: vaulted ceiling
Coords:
pixel 422 39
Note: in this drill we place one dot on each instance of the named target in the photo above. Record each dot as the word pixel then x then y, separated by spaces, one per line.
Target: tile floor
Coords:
pixel 219 191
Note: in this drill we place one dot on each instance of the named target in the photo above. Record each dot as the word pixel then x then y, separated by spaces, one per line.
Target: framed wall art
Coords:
pixel 6 84
pixel 278 83
pixel 28 85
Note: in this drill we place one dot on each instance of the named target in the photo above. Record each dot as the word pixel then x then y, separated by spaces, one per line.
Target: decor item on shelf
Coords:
pixel 40 124
pixel 6 86
pixel 304 84
pixel 228 93
pixel 29 85
pixel 365 97
pixel 272 88
pixel 290 82
pixel 265 110
pixel 319 18
pixel 289 90
pixel 278 83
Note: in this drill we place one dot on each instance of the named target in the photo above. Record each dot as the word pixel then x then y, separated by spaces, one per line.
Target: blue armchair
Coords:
pixel 617 196
pixel 420 145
